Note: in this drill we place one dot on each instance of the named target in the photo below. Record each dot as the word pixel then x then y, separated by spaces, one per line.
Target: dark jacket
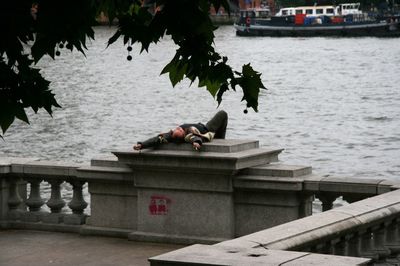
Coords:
pixel 200 135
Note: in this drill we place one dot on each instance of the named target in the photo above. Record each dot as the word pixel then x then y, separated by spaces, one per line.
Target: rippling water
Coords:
pixel 332 103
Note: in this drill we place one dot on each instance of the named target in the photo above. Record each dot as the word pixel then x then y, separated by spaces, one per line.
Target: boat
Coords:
pixel 308 21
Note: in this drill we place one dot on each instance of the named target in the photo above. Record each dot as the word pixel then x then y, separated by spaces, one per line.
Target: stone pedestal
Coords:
pixel 186 196
pixel 113 197
pixel 269 195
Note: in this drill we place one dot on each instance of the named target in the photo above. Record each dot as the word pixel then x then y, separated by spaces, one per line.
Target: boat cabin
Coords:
pixel 315 11
pixel 307 10
pixel 350 8
pixel 255 13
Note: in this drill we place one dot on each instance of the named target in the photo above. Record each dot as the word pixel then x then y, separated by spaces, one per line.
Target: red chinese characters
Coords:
pixel 159 205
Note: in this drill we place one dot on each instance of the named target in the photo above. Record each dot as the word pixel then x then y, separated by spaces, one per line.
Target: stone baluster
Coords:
pixel 397 228
pixel 379 240
pixel 356 244
pixel 77 204
pixel 312 249
pixel 327 201
pixel 35 201
pixel 14 199
pixel 368 245
pixel 55 203
pixel 347 244
pixel 392 236
pixel 396 233
pixel 321 248
pixel 392 232
pixel 332 248
pixel 366 241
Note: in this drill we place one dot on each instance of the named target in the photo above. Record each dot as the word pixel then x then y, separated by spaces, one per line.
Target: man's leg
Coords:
pixel 218 124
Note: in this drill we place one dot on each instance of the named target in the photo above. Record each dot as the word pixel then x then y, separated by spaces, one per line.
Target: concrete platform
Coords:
pixel 39 248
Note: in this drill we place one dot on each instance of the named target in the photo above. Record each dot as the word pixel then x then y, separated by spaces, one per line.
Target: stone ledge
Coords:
pixel 5 168
pixel 324 225
pixel 214 255
pixel 317 183
pixel 42 226
pixel 387 186
pixel 268 183
pixel 102 173
pixel 312 182
pixel 53 169
pixel 217 145
pixel 198 160
pixel 278 169
pixel 104 231
pixel 106 161
pixel 173 239
pixel 282 236
pixel 16 164
pixel 350 185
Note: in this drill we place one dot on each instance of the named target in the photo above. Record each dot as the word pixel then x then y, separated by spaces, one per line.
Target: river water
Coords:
pixel 332 103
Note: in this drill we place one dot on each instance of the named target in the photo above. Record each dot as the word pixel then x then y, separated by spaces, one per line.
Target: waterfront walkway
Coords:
pixel 38 248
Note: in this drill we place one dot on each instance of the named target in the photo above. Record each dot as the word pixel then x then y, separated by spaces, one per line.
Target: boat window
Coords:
pixel 263 14
pixel 284 12
pixel 320 11
pixel 299 11
pixel 329 11
pixel 309 11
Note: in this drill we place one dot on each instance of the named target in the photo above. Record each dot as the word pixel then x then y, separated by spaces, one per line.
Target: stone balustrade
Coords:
pixel 22 204
pixel 368 229
pixel 232 188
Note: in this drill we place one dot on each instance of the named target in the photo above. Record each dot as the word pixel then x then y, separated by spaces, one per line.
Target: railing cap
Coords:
pixel 217 255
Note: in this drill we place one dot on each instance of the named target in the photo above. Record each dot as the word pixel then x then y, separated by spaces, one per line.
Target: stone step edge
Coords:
pixel 199 162
pixel 198 154
pixel 274 183
pixel 279 170
pixel 217 145
pixel 173 239
pixel 103 173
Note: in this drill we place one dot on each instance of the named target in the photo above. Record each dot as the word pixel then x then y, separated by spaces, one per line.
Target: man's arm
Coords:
pixel 196 140
pixel 153 142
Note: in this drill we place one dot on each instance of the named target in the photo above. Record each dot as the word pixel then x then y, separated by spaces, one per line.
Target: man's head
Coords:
pixel 178 133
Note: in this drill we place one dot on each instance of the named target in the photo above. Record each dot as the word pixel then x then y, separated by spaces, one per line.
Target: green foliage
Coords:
pixel 28 37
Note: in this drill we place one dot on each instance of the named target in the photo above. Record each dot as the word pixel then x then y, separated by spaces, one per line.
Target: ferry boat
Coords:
pixel 307 21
